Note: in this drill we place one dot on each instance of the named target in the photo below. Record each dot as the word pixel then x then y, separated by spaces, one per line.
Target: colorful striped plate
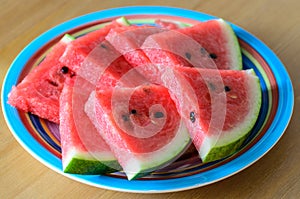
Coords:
pixel 41 138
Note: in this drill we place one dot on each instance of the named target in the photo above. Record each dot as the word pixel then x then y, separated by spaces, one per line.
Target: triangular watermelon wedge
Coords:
pixel 196 46
pixel 219 107
pixel 83 149
pixel 39 91
pixel 146 134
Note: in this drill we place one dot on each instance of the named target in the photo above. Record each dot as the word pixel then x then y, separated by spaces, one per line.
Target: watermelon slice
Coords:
pixel 213 39
pixel 83 149
pixel 39 91
pixel 142 127
pixel 219 107
pixel 220 42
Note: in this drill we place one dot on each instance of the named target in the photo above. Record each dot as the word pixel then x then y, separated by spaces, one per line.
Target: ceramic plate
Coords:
pixel 41 138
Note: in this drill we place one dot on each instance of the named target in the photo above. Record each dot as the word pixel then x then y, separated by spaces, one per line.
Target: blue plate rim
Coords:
pixel 272 136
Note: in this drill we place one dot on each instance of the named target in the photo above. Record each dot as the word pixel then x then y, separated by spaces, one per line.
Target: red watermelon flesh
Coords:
pixel 118 73
pixel 219 41
pixel 210 44
pixel 39 91
pixel 129 40
pixel 77 51
pixel 83 149
pixel 219 107
pixel 103 57
pixel 110 69
pixel 139 114
pixel 100 55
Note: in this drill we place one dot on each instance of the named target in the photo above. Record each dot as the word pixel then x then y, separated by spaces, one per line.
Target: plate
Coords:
pixel 41 138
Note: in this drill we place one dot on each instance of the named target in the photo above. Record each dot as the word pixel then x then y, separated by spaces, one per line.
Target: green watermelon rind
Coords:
pixel 233 45
pixel 161 158
pixel 229 144
pixel 123 21
pixel 218 153
pixel 79 162
pixel 91 167
pixel 67 38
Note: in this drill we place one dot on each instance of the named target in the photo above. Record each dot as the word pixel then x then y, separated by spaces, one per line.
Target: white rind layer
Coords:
pixel 83 155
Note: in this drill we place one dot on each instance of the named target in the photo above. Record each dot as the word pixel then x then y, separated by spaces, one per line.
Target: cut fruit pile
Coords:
pixel 134 98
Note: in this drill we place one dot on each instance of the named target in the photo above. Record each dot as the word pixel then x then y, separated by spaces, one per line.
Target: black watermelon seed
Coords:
pixel 188 55
pixel 227 88
pixel 103 46
pixel 133 111
pixel 203 51
pixel 211 86
pixel 125 118
pixel 64 69
pixel 192 117
pixel 213 56
pixel 158 115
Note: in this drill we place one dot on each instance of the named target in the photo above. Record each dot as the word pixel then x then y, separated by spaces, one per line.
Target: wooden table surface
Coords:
pixel 275 22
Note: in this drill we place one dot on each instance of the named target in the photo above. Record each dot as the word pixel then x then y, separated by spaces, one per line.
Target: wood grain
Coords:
pixel 275 22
